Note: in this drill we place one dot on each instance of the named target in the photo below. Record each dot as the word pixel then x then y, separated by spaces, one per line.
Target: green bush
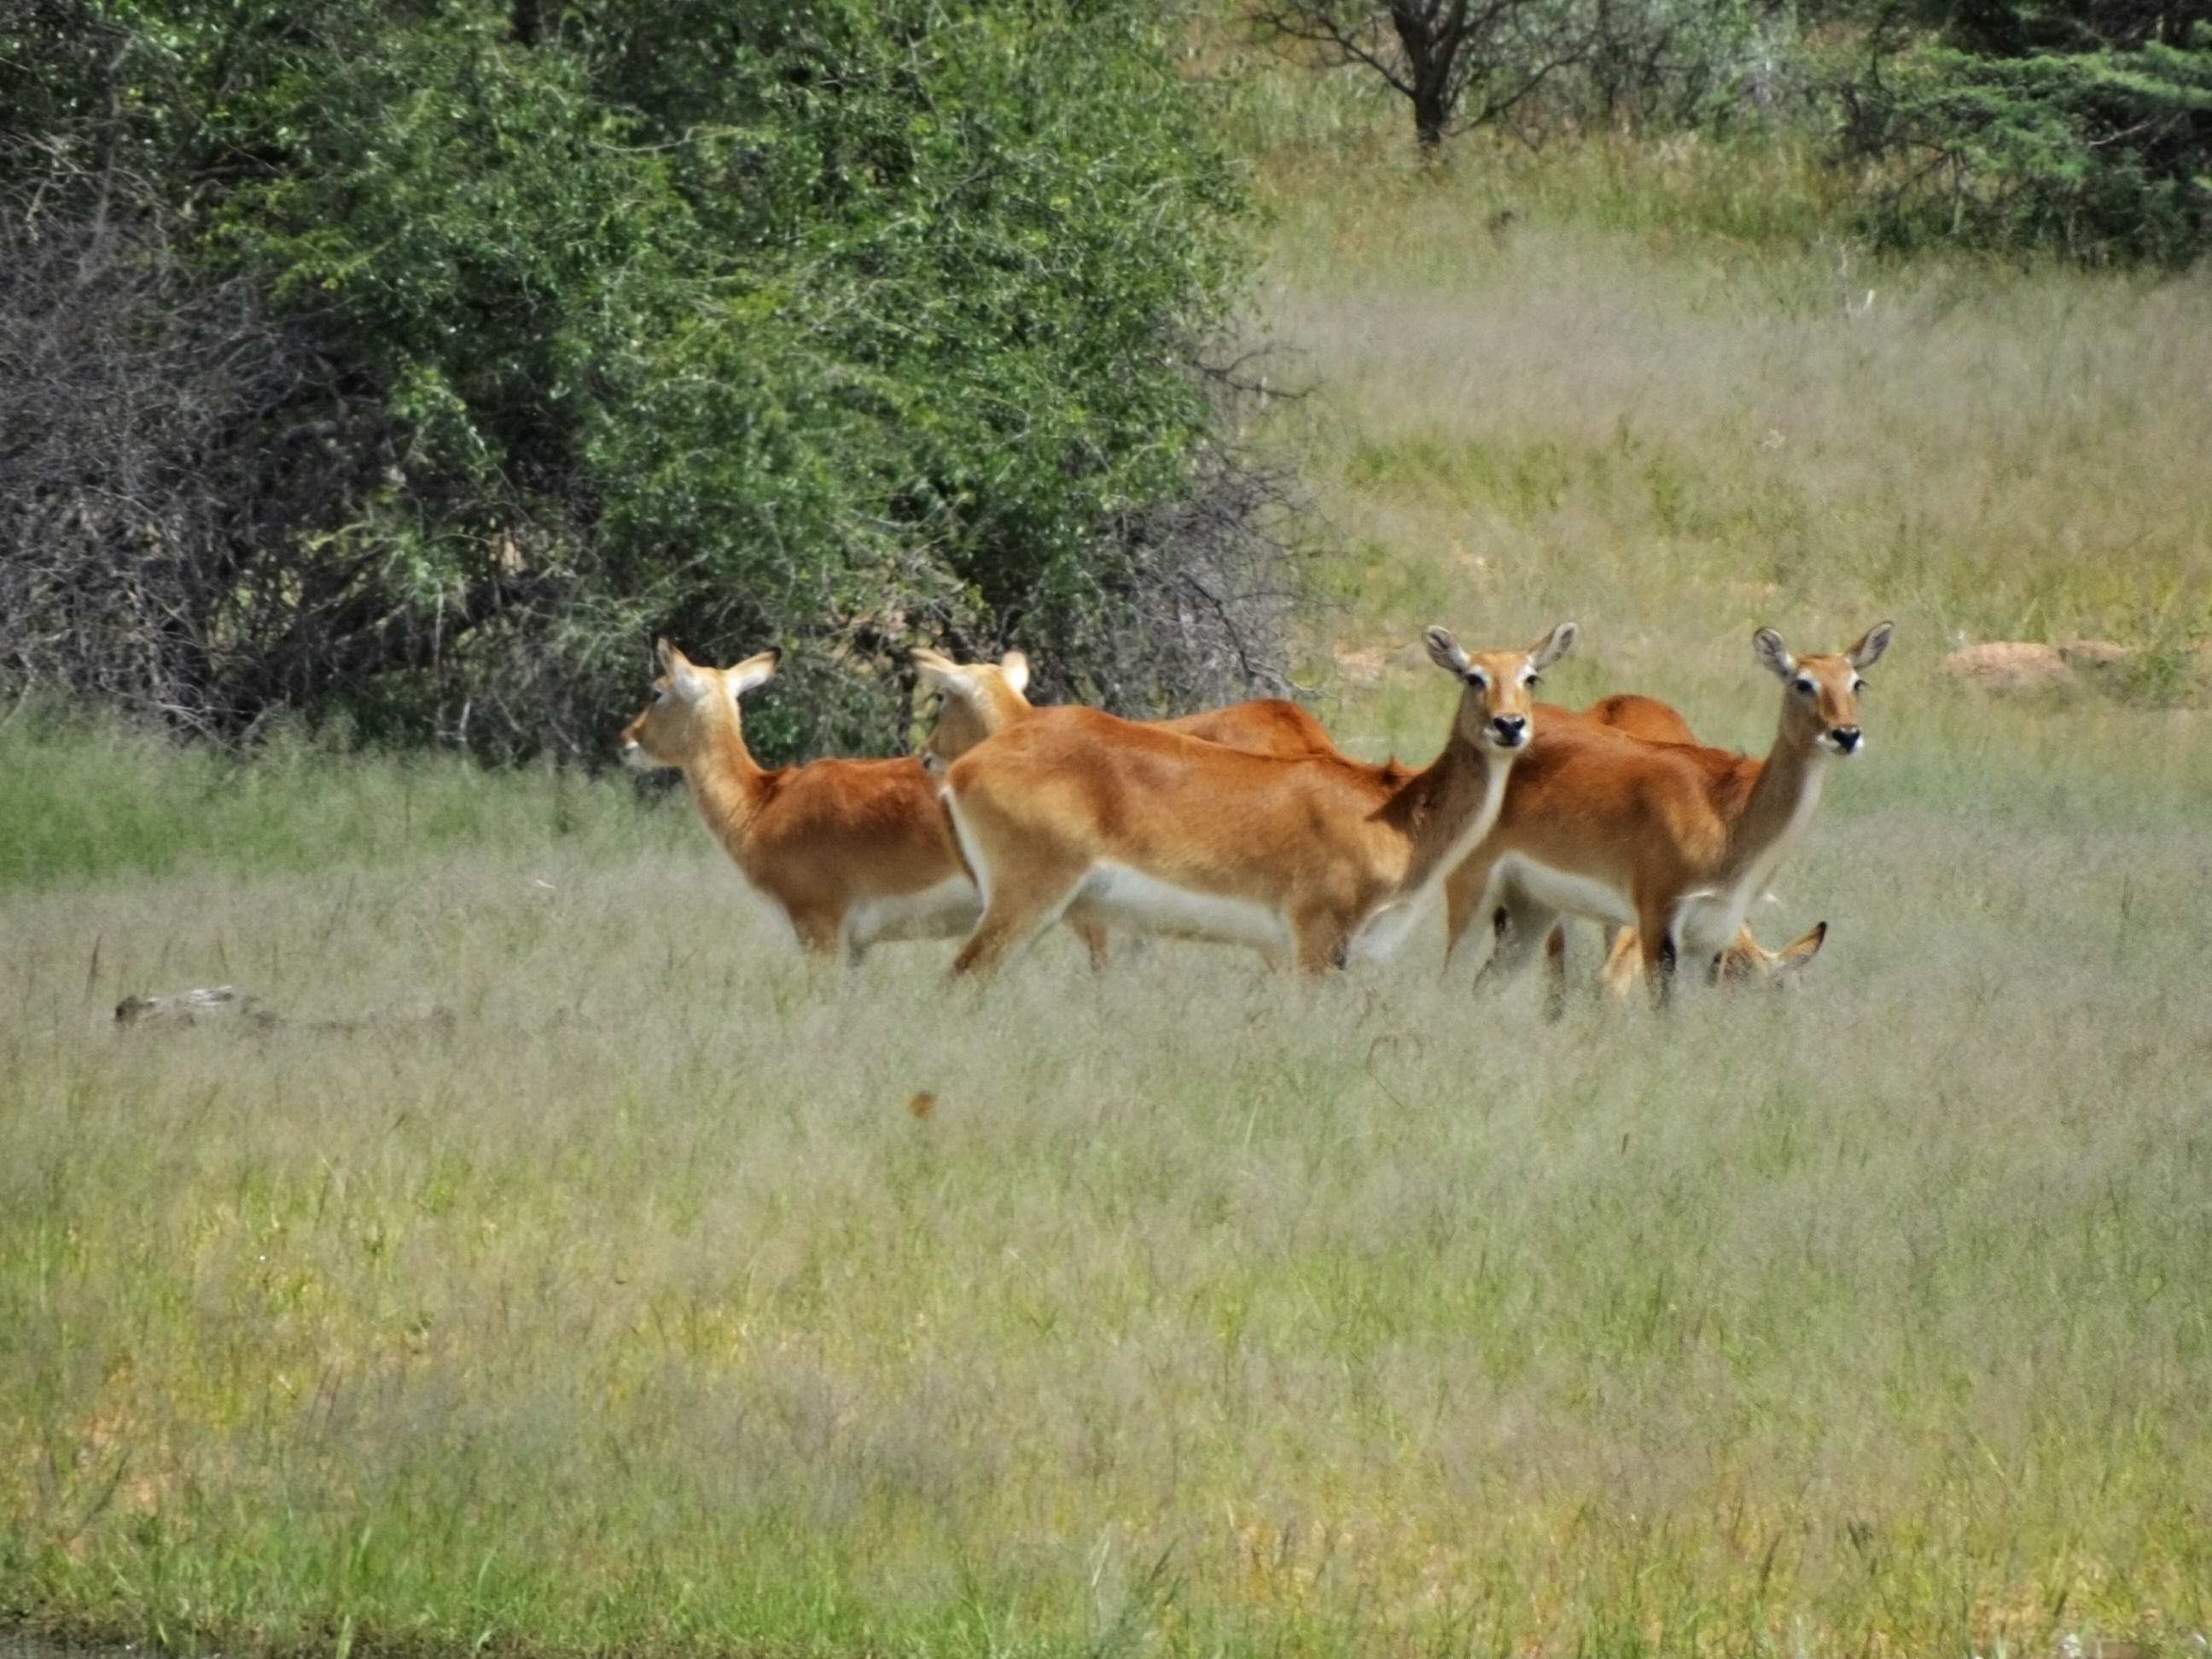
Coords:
pixel 2010 135
pixel 839 325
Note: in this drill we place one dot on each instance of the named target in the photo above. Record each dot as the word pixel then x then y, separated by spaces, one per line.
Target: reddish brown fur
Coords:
pixel 1746 958
pixel 816 840
pixel 983 698
pixel 1626 711
pixel 1264 726
pixel 1657 823
pixel 978 699
pixel 1318 843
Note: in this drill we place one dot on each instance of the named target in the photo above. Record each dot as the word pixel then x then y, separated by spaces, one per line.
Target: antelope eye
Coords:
pixel 1477 679
pixel 1806 686
pixel 1858 685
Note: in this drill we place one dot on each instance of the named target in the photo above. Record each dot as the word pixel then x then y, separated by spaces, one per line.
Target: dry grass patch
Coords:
pixel 1682 440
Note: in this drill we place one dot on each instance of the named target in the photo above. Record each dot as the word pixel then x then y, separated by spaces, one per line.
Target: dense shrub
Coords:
pixel 553 325
pixel 2086 128
pixel 1539 67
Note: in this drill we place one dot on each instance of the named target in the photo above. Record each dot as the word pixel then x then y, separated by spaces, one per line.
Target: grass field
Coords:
pixel 551 1263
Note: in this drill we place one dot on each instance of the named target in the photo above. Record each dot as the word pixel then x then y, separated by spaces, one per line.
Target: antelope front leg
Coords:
pixel 1624 962
pixel 1656 939
pixel 1092 931
pixel 1320 939
pixel 1519 930
pixel 1463 893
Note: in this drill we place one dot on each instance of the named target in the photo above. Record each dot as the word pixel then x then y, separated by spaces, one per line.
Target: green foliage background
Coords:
pixel 2082 127
pixel 843 326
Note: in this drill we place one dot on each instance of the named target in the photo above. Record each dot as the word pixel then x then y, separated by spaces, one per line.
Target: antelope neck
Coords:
pixel 1782 798
pixel 726 785
pixel 1448 806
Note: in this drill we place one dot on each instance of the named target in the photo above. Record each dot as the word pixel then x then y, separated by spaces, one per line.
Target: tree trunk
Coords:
pixel 1432 36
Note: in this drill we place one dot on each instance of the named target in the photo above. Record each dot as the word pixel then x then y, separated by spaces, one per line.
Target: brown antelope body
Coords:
pixel 1316 858
pixel 847 852
pixel 1673 839
pixel 976 700
pixel 1746 961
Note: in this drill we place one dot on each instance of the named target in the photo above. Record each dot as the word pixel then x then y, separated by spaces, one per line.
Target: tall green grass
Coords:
pixel 83 798
pixel 558 1265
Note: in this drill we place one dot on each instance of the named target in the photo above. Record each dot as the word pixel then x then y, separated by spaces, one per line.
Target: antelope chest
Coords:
pixel 1706 920
pixel 1384 928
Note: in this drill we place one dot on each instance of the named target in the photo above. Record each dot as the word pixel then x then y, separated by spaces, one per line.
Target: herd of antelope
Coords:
pixel 1247 824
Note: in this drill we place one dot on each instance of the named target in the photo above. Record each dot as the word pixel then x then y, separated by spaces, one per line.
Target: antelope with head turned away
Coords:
pixel 847 852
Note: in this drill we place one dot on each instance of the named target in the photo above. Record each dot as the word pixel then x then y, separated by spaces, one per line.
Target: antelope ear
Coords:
pixel 753 672
pixel 682 677
pixel 1444 652
pixel 1555 646
pixel 1015 665
pixel 1868 652
pixel 1773 652
pixel 1801 950
pixel 938 671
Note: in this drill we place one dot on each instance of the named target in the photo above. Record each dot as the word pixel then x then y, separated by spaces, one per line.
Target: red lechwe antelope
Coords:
pixel 1673 841
pixel 853 851
pixel 849 852
pixel 1746 958
pixel 1319 858
pixel 978 699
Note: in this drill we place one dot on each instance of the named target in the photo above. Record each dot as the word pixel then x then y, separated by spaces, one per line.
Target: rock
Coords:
pixel 2007 666
pixel 186 1007
pixel 2093 658
pixel 1359 669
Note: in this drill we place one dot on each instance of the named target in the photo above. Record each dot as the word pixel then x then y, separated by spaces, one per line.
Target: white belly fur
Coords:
pixel 1385 930
pixel 949 907
pixel 1558 890
pixel 1117 893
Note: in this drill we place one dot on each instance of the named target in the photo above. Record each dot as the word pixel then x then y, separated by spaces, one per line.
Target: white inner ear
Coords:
pixel 1872 648
pixel 1444 651
pixel 1016 667
pixel 747 675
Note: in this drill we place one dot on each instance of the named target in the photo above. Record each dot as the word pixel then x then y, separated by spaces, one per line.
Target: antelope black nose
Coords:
pixel 1846 738
pixel 1510 729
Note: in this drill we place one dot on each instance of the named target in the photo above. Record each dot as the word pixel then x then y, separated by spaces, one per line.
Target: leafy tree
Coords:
pixel 838 324
pixel 2084 126
pixel 1462 63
